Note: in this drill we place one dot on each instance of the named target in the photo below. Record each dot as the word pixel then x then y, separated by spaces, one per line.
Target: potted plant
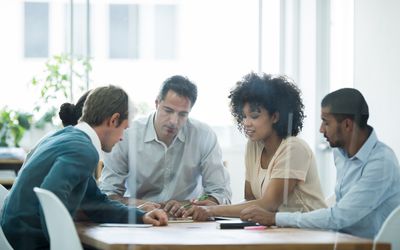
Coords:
pixel 13 125
pixel 52 87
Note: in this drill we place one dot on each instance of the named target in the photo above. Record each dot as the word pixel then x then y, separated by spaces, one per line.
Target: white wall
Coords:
pixel 377 64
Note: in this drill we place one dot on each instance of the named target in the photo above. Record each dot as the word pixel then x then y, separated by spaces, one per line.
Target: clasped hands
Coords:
pixel 197 209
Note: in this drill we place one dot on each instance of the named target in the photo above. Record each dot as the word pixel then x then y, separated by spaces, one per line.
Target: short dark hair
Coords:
pixel 103 102
pixel 70 113
pixel 180 85
pixel 273 93
pixel 347 103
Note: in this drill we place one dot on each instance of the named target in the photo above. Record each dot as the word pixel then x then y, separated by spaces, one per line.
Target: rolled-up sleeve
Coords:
pixel 116 169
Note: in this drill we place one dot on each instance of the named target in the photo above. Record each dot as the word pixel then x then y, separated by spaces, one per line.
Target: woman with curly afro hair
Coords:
pixel 281 172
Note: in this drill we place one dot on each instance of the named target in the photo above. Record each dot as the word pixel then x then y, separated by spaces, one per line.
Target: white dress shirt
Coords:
pixel 190 166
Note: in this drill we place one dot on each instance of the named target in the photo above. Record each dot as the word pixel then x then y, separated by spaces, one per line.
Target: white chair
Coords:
pixel 3 195
pixel 390 229
pixel 61 228
pixel 4 245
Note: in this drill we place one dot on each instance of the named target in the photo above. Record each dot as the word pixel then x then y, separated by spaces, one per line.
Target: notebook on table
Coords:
pixel 124 225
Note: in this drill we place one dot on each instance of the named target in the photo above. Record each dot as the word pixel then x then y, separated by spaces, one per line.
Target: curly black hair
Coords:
pixel 273 93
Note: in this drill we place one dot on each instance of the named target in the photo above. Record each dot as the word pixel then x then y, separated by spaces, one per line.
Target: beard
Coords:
pixel 336 141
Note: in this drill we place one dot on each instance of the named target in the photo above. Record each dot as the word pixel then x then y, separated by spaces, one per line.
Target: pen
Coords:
pixel 187 205
pixel 203 197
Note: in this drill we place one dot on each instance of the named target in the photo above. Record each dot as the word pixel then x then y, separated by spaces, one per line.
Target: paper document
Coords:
pixel 124 225
pixel 226 218
pixel 179 220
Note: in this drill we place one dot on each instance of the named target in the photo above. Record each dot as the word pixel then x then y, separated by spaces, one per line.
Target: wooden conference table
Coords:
pixel 205 235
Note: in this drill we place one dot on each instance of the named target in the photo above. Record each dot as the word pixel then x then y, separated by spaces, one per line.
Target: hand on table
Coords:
pixel 156 217
pixel 198 213
pixel 178 209
pixel 173 207
pixel 258 214
pixel 207 202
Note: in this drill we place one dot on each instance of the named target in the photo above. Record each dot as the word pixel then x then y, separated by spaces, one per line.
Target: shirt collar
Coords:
pixel 87 129
pixel 150 132
pixel 367 147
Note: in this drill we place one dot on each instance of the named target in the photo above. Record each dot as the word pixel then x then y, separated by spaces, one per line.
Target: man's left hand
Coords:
pixel 208 202
pixel 258 214
pixel 172 207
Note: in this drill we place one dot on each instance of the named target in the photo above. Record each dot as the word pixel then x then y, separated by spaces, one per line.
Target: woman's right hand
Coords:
pixel 198 213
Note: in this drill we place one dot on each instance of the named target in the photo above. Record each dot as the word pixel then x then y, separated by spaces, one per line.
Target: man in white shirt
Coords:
pixel 167 158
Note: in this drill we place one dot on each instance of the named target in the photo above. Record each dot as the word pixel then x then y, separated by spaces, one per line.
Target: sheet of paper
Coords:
pixel 179 220
pixel 225 218
pixel 124 225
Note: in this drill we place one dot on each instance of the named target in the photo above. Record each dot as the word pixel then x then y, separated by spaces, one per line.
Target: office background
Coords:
pixel 321 44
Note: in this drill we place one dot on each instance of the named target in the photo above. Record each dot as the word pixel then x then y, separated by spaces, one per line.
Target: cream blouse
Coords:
pixel 292 160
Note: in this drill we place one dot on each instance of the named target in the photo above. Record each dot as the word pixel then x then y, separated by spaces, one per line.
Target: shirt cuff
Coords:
pixel 284 219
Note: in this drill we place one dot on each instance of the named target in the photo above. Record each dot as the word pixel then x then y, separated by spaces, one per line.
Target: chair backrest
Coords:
pixel 3 240
pixel 3 195
pixel 390 229
pixel 59 223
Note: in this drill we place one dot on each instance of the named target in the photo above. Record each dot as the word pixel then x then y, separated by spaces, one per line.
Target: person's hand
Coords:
pixel 258 214
pixel 207 202
pixel 148 206
pixel 198 213
pixel 173 208
pixel 156 217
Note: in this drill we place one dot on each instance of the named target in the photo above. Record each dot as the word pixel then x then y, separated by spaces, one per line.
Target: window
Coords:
pixel 163 38
pixel 123 31
pixel 341 44
pixel 165 32
pixel 79 29
pixel 36 29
